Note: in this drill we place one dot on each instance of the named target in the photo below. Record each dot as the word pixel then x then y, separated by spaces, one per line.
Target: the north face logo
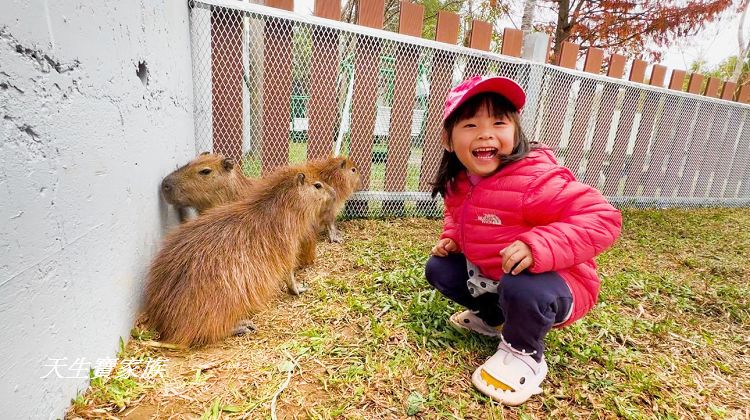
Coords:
pixel 490 219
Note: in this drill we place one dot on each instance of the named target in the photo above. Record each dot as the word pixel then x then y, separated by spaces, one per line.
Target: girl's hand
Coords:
pixel 444 247
pixel 516 257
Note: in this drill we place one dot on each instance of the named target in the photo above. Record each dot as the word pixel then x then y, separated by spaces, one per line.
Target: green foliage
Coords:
pixel 140 334
pixel 114 390
pixel 723 70
pixel 414 403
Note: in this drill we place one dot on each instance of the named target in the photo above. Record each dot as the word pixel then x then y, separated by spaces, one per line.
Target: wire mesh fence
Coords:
pixel 273 88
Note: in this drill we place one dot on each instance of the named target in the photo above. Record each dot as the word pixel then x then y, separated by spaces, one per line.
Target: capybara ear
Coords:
pixel 228 164
pixel 205 153
pixel 343 163
pixel 300 178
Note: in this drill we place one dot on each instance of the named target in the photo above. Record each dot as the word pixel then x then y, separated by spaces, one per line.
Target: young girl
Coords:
pixel 519 238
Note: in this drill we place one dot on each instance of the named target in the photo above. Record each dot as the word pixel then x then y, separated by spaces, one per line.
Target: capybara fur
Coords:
pixel 205 182
pixel 218 269
pixel 341 174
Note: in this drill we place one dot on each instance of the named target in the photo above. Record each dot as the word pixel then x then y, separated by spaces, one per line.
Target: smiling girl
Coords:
pixel 519 238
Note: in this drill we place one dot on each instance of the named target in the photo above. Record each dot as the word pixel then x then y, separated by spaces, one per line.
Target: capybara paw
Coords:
pixel 297 289
pixel 243 327
pixel 335 236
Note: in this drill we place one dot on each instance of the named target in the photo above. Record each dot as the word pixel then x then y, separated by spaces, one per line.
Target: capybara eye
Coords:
pixel 318 185
pixel 354 169
pixel 205 171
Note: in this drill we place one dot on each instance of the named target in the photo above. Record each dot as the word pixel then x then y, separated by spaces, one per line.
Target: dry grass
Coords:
pixel 669 338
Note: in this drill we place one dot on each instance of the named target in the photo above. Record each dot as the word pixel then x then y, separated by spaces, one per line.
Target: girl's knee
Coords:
pixel 443 272
pixel 517 288
pixel 528 288
pixel 432 269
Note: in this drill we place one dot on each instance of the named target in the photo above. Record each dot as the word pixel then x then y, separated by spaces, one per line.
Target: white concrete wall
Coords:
pixel 84 142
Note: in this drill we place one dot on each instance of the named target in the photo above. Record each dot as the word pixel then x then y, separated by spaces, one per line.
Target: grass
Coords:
pixel 251 165
pixel 668 339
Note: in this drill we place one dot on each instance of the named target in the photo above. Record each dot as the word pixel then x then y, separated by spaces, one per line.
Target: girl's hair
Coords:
pixel 498 107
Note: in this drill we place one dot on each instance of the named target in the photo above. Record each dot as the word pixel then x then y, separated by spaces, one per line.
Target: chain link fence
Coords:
pixel 273 88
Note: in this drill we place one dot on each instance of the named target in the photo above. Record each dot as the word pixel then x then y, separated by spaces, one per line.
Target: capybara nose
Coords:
pixel 166 185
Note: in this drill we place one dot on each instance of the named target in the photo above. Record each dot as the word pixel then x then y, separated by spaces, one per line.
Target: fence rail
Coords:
pixel 377 97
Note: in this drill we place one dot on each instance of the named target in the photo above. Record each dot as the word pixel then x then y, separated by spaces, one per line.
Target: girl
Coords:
pixel 519 238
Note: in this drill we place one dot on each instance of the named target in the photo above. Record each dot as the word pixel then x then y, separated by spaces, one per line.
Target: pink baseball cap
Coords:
pixel 465 90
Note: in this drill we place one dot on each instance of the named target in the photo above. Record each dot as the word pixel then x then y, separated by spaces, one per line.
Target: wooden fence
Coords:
pixel 637 140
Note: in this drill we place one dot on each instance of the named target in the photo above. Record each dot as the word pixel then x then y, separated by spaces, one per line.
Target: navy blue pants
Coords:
pixel 527 304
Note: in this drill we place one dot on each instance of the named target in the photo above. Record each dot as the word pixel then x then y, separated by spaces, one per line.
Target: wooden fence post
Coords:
pixel 227 81
pixel 583 106
pixel 399 139
pixel 481 35
pixel 723 170
pixel 440 83
pixel 649 110
pixel 741 161
pixel 662 144
pixel 557 97
pixel 277 89
pixel 704 120
pixel 366 68
pixel 512 45
pixel 677 150
pixel 722 167
pixel 627 114
pixel 322 110
pixel 713 148
pixel 597 153
pixel 512 42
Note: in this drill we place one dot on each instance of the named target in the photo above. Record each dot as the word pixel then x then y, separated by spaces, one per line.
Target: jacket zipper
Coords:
pixel 463 217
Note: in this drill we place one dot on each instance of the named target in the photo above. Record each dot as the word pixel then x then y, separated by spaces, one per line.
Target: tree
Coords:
pixel 487 10
pixel 725 70
pixel 735 68
pixel 529 6
pixel 743 46
pixel 629 27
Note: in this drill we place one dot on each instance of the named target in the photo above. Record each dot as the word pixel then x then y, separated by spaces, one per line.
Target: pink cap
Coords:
pixel 480 84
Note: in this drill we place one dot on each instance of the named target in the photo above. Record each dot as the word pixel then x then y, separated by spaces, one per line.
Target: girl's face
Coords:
pixel 479 141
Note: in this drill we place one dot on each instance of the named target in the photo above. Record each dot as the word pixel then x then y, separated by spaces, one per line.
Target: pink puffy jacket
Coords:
pixel 565 223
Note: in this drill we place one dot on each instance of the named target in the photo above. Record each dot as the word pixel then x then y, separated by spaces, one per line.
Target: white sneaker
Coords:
pixel 510 377
pixel 468 320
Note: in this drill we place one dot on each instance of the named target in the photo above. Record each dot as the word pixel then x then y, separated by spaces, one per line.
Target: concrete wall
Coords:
pixel 95 108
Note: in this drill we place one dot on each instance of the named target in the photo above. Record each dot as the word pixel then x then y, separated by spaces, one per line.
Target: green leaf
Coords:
pixel 414 403
pixel 231 409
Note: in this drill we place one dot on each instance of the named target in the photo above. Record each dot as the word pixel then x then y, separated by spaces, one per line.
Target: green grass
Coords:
pixel 668 338
pixel 113 393
pixel 251 165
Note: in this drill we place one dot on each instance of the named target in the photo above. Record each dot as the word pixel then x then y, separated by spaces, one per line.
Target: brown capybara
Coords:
pixel 205 182
pixel 214 271
pixel 210 180
pixel 340 173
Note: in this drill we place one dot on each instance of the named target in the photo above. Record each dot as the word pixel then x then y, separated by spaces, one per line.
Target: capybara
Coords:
pixel 205 182
pixel 341 174
pixel 214 271
pixel 210 180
